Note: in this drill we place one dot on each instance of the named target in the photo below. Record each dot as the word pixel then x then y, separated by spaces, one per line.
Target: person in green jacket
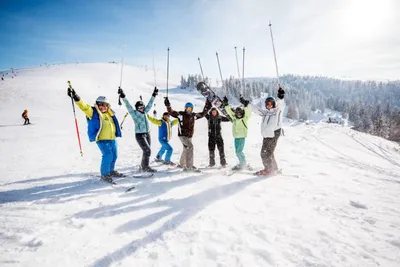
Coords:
pixel 240 118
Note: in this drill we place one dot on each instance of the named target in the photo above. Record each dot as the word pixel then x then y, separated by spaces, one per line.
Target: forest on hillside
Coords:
pixel 373 107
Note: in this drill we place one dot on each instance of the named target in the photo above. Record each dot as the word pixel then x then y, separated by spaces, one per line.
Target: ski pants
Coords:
pixel 26 121
pixel 144 142
pixel 239 146
pixel 165 146
pixel 187 152
pixel 267 151
pixel 219 142
pixel 109 156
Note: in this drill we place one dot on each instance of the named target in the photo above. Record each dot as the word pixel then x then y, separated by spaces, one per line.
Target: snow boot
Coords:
pixel 117 174
pixel 158 159
pixel 107 178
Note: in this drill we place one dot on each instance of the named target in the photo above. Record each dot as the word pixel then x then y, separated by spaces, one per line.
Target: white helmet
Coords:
pixel 102 99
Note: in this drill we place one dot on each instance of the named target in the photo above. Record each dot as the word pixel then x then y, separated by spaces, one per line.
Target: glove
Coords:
pixel 155 92
pixel 225 101
pixel 166 102
pixel 244 101
pixel 71 93
pixel 281 93
pixel 121 93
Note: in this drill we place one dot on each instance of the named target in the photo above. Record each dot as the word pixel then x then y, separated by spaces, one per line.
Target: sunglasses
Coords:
pixel 103 105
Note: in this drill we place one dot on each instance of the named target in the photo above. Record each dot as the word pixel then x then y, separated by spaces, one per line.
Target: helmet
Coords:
pixel 270 99
pixel 102 99
pixel 239 111
pixel 139 104
pixel 188 105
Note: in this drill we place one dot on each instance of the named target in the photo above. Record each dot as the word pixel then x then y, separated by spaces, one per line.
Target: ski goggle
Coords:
pixel 101 104
pixel 140 107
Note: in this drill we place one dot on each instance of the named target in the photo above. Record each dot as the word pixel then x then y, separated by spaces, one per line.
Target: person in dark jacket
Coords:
pixel 186 120
pixel 215 137
pixel 25 117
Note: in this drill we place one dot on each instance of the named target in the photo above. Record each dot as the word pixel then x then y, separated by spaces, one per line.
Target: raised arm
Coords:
pixel 154 120
pixel 174 122
pixel 223 118
pixel 171 112
pixel 207 106
pixel 86 108
pixel 230 112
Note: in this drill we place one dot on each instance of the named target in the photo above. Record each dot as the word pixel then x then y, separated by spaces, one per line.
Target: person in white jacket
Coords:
pixel 271 127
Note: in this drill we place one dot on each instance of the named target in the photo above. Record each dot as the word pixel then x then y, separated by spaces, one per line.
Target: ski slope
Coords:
pixel 343 210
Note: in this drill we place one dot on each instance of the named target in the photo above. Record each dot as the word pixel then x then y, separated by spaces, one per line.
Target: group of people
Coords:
pixel 104 128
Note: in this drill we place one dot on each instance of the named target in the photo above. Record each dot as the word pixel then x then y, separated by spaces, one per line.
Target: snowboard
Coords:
pixel 215 100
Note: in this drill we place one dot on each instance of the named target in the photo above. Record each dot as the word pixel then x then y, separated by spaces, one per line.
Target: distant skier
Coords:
pixel 271 127
pixel 240 118
pixel 25 117
pixel 164 135
pixel 103 128
pixel 186 129
pixel 142 129
pixel 215 137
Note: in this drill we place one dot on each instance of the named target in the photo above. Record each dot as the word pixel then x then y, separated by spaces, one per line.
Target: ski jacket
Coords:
pixel 164 127
pixel 272 119
pixel 239 126
pixel 139 118
pixel 186 120
pixel 214 124
pixel 25 114
pixel 101 126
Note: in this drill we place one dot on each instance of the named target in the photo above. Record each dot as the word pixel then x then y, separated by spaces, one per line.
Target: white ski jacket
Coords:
pixel 272 119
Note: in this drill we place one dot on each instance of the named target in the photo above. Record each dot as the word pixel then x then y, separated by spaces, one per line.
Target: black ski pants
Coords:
pixel 144 142
pixel 26 121
pixel 267 151
pixel 219 142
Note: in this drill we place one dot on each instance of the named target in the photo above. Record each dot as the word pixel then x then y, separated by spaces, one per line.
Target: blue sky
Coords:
pixel 343 38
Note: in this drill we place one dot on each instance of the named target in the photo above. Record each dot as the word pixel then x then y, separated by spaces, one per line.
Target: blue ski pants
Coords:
pixel 109 153
pixel 165 146
pixel 239 146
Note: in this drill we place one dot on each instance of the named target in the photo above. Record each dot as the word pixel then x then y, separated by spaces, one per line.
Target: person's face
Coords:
pixel 239 115
pixel 268 105
pixel 189 109
pixel 166 117
pixel 103 107
pixel 214 112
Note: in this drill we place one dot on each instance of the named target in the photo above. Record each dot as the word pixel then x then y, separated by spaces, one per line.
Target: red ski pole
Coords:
pixel 76 121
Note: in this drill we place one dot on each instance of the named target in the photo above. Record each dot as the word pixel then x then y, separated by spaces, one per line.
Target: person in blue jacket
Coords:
pixel 142 129
pixel 164 135
pixel 103 128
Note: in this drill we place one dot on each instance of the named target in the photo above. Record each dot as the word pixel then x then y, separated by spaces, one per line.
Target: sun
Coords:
pixel 364 19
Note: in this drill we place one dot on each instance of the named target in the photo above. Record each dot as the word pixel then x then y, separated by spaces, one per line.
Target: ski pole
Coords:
pixel 76 121
pixel 126 114
pixel 155 81
pixel 273 47
pixel 237 63
pixel 220 73
pixel 120 79
pixel 243 86
pixel 167 69
pixel 201 68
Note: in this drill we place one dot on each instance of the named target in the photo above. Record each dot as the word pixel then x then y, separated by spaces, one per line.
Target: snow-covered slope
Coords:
pixel 343 210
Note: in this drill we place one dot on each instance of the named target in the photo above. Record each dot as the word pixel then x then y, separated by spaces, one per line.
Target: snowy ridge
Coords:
pixel 344 210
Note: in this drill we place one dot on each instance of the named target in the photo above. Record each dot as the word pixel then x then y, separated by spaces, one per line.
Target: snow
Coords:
pixel 343 210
